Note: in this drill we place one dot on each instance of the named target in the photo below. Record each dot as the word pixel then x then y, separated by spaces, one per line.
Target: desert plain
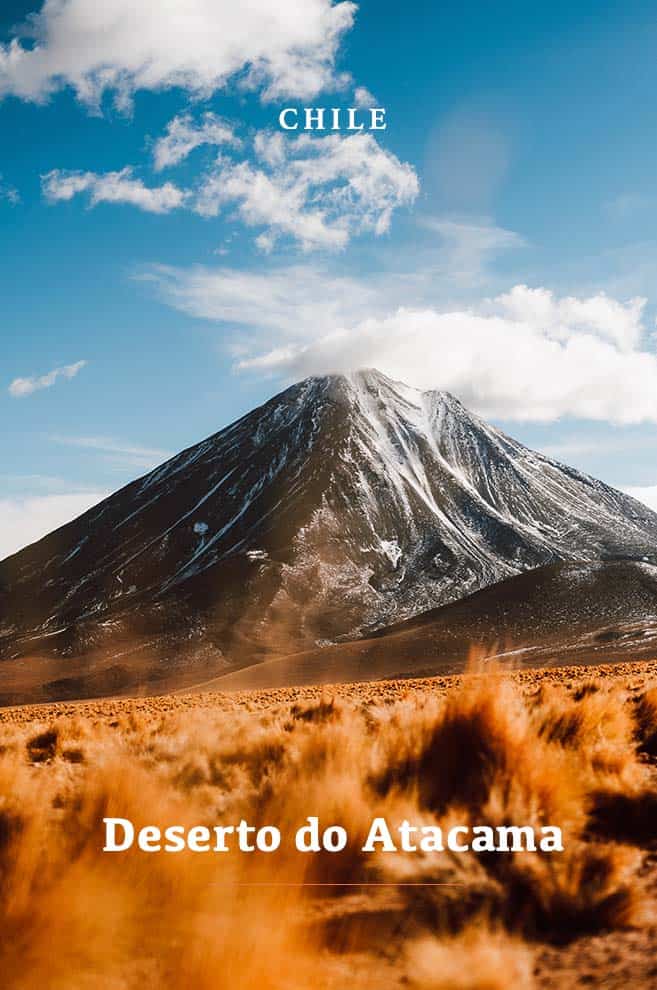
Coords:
pixel 570 746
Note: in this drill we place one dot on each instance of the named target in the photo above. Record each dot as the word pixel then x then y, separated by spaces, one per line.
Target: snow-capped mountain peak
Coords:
pixel 343 504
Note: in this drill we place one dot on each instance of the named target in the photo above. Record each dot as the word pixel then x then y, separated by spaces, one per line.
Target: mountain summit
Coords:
pixel 344 504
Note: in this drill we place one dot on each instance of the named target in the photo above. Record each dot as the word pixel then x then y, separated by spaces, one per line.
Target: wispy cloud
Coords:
pixel 119 452
pixel 183 135
pixel 318 191
pixel 22 387
pixel 363 98
pixel 8 193
pixel 468 246
pixel 111 187
pixel 266 299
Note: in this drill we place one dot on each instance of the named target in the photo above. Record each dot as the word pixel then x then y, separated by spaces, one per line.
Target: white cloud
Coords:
pixel 363 98
pixel 21 387
pixel 112 187
pixel 283 48
pixel 618 322
pixel 119 452
pixel 25 519
pixel 505 368
pixel 319 191
pixel 183 135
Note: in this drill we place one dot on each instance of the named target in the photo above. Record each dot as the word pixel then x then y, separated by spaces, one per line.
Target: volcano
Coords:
pixel 345 504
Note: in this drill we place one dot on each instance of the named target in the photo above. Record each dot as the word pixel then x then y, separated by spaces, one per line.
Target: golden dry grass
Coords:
pixel 483 749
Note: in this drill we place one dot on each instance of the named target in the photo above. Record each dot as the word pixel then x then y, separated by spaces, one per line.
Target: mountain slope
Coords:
pixel 344 504
pixel 560 614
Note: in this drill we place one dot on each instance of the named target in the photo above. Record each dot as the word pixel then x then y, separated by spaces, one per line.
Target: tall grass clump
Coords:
pixel 485 752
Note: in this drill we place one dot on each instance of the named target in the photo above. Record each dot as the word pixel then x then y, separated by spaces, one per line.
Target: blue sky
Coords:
pixel 497 239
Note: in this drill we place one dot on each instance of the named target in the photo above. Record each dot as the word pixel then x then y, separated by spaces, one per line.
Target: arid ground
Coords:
pixel 566 746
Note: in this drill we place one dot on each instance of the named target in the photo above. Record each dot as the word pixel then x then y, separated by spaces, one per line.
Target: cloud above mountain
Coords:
pixel 503 367
pixel 526 354
pixel 287 48
pixel 618 322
